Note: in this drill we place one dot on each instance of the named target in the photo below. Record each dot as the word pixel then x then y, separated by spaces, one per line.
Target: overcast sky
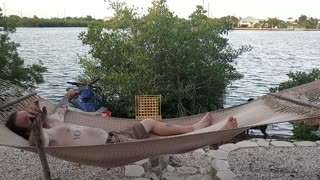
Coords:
pixel 260 9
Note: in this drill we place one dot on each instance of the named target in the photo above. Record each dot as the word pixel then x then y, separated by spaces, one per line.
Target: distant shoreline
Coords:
pixel 280 29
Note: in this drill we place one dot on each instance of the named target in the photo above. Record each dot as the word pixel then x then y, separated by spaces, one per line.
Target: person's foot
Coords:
pixel 232 123
pixel 206 121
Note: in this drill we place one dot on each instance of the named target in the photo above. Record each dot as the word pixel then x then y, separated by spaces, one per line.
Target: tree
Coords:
pixel 188 62
pixel 275 23
pixel 12 66
pixel 231 21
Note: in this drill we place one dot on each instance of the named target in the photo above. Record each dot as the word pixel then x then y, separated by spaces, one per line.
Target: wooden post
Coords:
pixel 39 145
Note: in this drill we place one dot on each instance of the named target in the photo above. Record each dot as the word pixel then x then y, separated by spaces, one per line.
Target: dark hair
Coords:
pixel 11 124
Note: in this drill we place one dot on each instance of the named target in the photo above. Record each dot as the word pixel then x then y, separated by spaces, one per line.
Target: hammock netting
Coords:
pixel 301 103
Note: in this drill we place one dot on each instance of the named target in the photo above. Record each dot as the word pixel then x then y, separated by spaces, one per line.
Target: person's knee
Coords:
pixel 148 123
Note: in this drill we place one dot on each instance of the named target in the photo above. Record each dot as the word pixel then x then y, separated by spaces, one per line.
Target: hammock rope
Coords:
pixel 296 104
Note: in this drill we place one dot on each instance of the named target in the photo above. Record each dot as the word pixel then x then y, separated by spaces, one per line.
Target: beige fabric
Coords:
pixel 133 133
pixel 299 103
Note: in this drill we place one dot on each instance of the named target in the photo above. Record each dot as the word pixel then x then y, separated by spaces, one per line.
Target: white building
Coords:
pixel 248 22
pixel 107 18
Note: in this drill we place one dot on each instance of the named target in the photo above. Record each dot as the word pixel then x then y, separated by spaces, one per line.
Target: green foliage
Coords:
pixel 188 62
pixel 309 23
pixel 300 129
pixel 53 22
pixel 12 66
pixel 230 21
pixel 297 78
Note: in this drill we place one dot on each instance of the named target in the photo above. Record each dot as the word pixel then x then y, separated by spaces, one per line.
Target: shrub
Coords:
pixel 12 65
pixel 300 129
pixel 187 61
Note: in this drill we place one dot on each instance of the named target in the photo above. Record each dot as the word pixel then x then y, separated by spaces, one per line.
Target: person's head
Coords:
pixel 20 123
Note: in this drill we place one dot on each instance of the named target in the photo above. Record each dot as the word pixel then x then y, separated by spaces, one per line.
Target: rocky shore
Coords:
pixel 250 159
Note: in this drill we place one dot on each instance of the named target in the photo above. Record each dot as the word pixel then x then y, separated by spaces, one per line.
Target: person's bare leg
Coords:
pixel 231 123
pixel 206 121
pixel 167 129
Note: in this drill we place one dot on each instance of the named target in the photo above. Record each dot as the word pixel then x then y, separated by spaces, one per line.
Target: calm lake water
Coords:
pixel 274 54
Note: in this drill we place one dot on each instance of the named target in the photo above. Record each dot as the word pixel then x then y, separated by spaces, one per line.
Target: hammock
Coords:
pixel 299 103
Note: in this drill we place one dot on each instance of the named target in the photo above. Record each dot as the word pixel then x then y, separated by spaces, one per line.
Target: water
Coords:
pixel 274 54
pixel 58 49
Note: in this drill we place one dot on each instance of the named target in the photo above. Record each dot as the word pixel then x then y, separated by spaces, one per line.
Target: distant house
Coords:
pixel 291 23
pixel 107 18
pixel 248 22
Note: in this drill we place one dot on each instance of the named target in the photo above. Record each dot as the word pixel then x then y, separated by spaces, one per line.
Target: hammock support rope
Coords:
pixel 296 104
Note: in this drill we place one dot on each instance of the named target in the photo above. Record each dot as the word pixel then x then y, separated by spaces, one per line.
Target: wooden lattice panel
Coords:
pixel 148 106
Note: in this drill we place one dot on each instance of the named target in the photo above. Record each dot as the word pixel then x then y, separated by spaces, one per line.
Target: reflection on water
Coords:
pixel 274 54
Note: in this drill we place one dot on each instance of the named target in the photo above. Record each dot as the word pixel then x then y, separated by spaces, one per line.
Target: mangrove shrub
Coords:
pixel 300 130
pixel 12 65
pixel 187 61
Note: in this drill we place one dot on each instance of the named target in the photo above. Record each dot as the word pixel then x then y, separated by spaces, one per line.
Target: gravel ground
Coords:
pixel 301 163
pixel 17 165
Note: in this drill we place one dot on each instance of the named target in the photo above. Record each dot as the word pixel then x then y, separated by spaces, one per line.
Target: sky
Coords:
pixel 260 9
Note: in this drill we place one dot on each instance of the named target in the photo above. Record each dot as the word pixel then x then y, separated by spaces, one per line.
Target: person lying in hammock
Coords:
pixel 56 132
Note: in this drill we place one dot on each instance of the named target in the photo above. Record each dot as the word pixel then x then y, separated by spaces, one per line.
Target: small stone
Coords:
pixel 247 144
pixel 204 170
pixel 305 143
pixel 134 170
pixel 172 176
pixel 263 142
pixel 318 142
pixel 225 175
pixel 228 147
pixel 218 154
pixel 194 177
pixel 141 179
pixel 207 177
pixel 200 151
pixel 153 176
pixel 186 170
pixel 281 144
pixel 220 165
pixel 206 148
pixel 170 168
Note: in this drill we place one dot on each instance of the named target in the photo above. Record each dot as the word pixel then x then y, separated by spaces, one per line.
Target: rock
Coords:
pixel 145 163
pixel 199 151
pixel 172 176
pixel 281 144
pixel 186 170
pixel 305 143
pixel 225 175
pixel 247 144
pixel 220 165
pixel 207 177
pixel 218 154
pixel 228 147
pixel 263 142
pixel 134 170
pixel 205 170
pixel 194 177
pixel 170 168
pixel 153 176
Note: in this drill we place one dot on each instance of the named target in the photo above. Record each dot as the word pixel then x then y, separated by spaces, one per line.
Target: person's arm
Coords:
pixel 65 99
pixel 62 106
